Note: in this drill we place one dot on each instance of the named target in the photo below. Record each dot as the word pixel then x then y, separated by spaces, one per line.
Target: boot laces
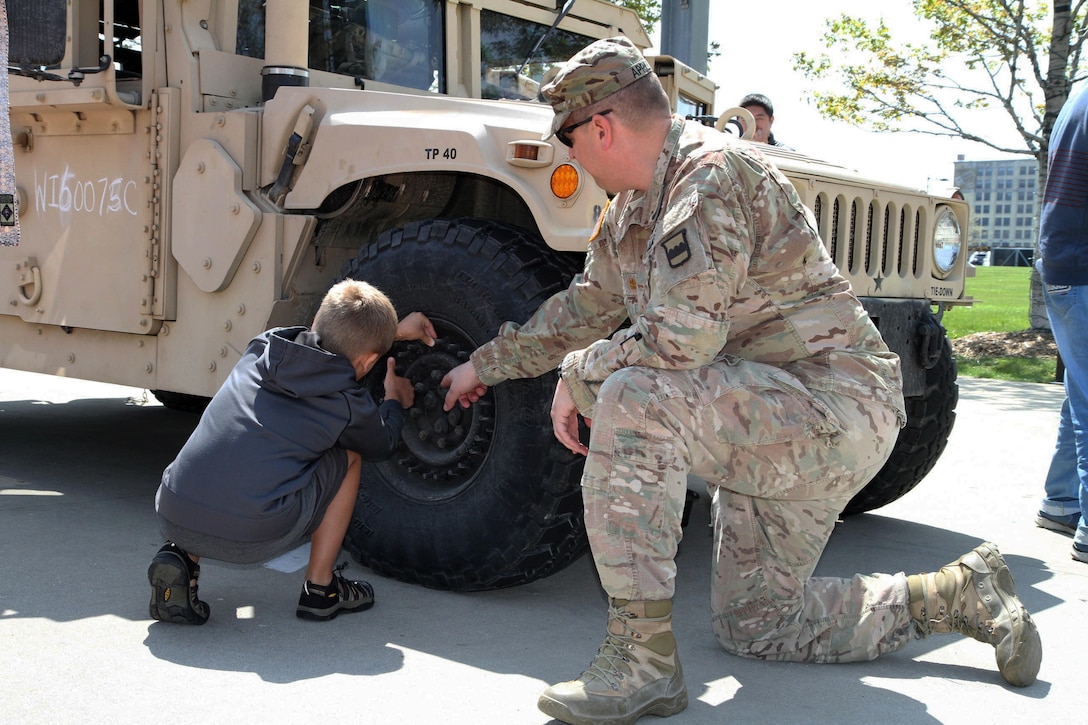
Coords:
pixel 609 664
pixel 954 612
pixel 612 662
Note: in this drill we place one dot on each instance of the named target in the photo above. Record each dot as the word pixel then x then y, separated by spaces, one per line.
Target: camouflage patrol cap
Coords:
pixel 595 72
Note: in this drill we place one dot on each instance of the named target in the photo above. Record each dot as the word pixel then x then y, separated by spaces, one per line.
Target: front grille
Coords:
pixel 893 254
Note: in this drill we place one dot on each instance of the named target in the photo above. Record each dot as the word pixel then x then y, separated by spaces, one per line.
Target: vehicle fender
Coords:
pixel 364 134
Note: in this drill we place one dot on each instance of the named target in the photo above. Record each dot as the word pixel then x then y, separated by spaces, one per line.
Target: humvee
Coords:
pixel 193 172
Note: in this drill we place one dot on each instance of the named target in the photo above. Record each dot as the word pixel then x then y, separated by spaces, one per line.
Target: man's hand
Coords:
pixel 398 388
pixel 464 386
pixel 416 326
pixel 565 419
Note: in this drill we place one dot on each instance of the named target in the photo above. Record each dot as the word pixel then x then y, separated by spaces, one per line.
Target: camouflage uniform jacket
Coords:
pixel 717 260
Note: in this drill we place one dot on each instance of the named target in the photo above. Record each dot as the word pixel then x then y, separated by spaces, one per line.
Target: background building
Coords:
pixel 1003 195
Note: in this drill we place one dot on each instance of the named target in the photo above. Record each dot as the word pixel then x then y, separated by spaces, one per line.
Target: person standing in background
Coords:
pixel 1063 266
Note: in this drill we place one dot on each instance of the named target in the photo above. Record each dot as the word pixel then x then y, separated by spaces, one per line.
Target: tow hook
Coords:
pixel 930 344
pixel 29 275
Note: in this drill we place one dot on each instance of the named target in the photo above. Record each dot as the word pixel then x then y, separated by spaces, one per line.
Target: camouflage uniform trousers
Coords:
pixel 781 464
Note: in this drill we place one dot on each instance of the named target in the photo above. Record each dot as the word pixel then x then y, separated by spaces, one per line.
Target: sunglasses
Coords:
pixel 563 134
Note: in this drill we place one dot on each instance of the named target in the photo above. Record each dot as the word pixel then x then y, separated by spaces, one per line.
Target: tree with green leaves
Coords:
pixel 1016 56
pixel 648 10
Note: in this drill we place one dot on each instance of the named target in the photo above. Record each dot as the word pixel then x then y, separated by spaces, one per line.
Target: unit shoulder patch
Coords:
pixel 677 249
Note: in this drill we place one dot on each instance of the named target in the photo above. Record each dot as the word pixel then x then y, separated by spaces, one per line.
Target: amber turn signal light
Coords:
pixel 565 181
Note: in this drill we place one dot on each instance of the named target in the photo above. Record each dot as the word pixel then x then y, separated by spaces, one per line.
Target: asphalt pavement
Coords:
pixel 79 464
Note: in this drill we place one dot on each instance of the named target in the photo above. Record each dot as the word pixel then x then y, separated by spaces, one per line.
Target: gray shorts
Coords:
pixel 313 500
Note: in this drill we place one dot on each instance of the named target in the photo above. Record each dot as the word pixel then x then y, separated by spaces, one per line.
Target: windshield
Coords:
pixel 391 41
pixel 505 45
pixel 400 42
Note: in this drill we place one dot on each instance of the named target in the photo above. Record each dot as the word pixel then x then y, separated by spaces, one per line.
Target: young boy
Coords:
pixel 277 454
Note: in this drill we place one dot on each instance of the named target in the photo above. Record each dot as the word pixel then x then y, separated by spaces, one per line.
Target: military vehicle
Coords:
pixel 191 173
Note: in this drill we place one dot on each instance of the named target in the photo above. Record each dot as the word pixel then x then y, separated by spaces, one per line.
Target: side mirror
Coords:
pixel 36 32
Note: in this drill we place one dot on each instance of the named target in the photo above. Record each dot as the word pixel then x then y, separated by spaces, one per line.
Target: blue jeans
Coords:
pixel 1067 480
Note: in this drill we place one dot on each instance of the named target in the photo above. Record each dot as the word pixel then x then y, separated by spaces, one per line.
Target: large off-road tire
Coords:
pixel 476 498
pixel 930 417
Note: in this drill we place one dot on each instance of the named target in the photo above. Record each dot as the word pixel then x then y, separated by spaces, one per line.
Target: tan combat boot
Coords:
pixel 975 596
pixel 636 671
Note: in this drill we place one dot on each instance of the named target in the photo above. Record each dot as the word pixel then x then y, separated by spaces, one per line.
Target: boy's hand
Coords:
pixel 398 388
pixel 416 326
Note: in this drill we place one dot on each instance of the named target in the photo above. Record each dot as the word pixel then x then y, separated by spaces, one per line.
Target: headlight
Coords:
pixel 946 242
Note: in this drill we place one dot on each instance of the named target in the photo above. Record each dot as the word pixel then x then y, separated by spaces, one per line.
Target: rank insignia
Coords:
pixel 7 210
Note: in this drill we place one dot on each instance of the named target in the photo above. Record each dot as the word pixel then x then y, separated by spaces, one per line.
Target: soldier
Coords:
pixel 748 362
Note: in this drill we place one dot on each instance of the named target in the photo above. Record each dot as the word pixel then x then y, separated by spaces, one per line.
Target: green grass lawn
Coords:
pixel 1001 305
pixel 1001 302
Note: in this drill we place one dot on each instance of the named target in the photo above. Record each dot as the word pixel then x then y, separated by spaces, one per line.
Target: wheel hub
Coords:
pixel 444 447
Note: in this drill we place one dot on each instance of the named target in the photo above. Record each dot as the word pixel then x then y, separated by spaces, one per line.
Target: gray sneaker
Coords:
pixel 1062 524
pixel 1080 553
pixel 322 603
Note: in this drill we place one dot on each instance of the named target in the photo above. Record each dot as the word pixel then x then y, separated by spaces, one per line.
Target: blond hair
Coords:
pixel 355 318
